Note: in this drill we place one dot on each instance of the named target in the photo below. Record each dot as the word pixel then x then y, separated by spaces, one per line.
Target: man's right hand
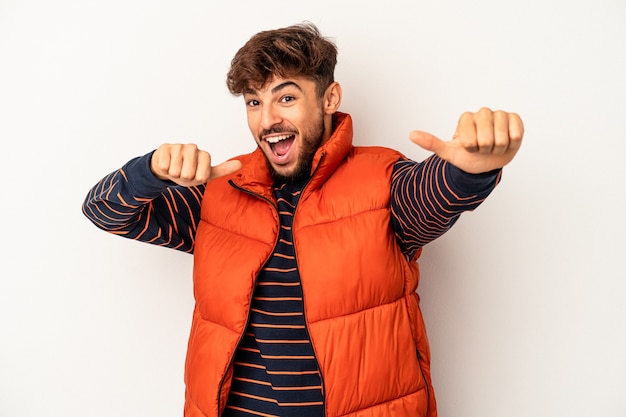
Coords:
pixel 187 165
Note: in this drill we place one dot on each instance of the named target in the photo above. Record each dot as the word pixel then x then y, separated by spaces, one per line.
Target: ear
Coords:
pixel 332 98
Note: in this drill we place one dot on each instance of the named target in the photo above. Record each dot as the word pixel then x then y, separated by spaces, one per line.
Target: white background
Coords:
pixel 524 298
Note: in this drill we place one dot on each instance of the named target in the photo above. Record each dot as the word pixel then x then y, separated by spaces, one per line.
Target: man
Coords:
pixel 305 251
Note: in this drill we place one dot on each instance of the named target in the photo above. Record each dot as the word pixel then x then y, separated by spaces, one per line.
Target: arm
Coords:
pixel 133 203
pixel 427 198
pixel 156 198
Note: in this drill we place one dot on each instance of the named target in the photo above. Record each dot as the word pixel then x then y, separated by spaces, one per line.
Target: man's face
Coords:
pixel 286 119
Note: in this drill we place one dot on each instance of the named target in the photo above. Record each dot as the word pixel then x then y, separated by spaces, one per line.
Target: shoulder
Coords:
pixel 368 165
pixel 374 156
pixel 376 152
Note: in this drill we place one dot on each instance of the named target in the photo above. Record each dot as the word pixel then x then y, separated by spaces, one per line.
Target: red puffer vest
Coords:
pixel 360 303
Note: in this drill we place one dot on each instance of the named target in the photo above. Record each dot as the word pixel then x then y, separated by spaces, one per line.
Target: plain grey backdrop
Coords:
pixel 524 298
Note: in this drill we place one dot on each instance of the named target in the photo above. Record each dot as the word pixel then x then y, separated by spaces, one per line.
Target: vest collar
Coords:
pixel 255 176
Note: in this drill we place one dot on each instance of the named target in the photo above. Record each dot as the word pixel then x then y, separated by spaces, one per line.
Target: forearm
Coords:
pixel 133 203
pixel 427 199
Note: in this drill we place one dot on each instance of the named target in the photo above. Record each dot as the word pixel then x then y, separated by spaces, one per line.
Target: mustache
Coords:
pixel 277 130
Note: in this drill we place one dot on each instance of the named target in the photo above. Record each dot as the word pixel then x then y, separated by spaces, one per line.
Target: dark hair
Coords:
pixel 297 50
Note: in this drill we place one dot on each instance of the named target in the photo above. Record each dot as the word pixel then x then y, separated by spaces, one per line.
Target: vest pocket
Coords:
pixel 426 384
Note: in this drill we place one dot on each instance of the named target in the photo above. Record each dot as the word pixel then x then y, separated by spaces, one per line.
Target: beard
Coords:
pixel 311 141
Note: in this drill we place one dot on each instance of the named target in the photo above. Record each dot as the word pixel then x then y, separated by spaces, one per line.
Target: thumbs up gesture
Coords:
pixel 483 141
pixel 187 165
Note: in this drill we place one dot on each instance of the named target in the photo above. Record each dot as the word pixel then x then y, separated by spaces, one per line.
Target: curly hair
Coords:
pixel 297 50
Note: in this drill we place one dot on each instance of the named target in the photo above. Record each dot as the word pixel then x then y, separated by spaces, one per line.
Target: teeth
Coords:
pixel 276 139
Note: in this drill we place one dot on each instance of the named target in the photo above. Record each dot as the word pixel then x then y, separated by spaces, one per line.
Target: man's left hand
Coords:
pixel 483 141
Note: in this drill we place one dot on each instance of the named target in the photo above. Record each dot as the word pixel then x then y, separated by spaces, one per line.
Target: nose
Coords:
pixel 270 116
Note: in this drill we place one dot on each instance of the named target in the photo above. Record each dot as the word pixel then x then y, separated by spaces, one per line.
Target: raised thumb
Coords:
pixel 427 141
pixel 225 168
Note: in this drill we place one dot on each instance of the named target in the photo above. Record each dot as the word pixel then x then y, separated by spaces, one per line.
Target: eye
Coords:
pixel 287 99
pixel 252 103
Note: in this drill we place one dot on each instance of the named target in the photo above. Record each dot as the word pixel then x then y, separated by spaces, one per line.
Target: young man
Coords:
pixel 305 251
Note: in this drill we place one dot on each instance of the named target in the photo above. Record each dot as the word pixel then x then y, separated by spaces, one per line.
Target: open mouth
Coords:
pixel 281 144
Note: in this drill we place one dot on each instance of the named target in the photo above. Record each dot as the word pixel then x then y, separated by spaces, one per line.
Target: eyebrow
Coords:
pixel 275 89
pixel 284 85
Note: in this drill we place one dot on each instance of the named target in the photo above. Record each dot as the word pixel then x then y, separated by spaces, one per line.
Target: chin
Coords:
pixel 299 173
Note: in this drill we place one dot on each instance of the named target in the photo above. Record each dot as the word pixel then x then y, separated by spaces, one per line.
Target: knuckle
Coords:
pixel 467 115
pixel 500 114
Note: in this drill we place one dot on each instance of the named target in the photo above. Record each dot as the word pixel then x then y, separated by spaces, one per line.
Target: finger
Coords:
pixel 173 166
pixel 484 130
pixel 516 128
pixel 427 141
pixel 225 168
pixel 186 163
pixel 466 132
pixel 203 168
pixel 160 161
pixel 501 132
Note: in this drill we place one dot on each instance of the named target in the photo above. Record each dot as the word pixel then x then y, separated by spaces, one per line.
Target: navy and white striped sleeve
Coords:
pixel 428 197
pixel 133 203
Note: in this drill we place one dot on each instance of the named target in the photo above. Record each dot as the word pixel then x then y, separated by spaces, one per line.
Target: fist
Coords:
pixel 483 141
pixel 187 165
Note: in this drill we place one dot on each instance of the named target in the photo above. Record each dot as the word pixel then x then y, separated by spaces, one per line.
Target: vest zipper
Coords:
pixel 241 336
pixel 306 323
pixel 306 326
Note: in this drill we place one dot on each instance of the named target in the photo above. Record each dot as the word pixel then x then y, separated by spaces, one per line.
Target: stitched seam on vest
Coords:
pixel 360 213
pixel 385 402
pixel 235 233
pixel 360 311
pixel 218 324
pixel 193 403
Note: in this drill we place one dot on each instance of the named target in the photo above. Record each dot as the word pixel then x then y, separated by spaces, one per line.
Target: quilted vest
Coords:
pixel 360 303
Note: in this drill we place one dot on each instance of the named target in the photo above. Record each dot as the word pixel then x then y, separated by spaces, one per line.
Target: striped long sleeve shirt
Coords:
pixel 275 370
